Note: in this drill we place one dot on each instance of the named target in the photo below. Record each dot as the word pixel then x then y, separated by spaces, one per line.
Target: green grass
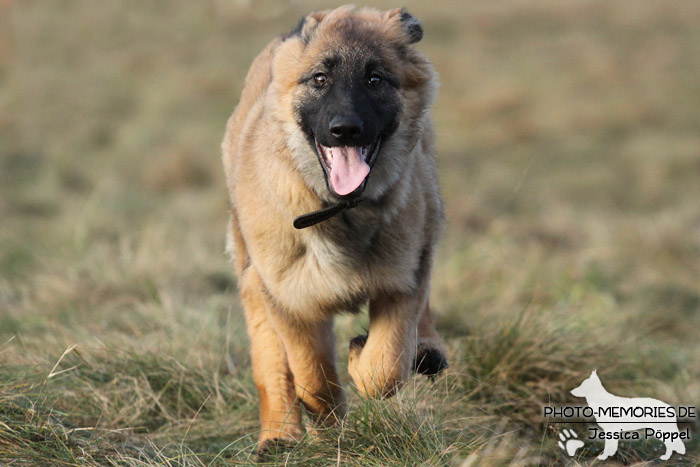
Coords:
pixel 569 158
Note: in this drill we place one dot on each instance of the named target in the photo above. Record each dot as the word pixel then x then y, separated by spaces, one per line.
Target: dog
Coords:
pixel 616 415
pixel 330 167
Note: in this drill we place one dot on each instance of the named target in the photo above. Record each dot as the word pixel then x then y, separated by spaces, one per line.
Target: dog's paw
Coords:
pixel 358 342
pixel 429 361
pixel 271 447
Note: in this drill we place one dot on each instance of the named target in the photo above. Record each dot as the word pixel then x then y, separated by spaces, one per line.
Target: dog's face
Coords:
pixel 588 387
pixel 348 76
pixel 349 104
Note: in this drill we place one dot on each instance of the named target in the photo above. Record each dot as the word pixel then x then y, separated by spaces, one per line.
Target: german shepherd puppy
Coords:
pixel 335 202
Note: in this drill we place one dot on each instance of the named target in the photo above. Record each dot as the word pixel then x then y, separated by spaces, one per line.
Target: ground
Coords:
pixel 569 158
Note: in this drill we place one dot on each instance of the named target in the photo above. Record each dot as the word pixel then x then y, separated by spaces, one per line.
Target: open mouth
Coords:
pixel 347 167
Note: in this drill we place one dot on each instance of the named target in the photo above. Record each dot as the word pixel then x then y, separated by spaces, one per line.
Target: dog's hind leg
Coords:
pixel 280 413
pixel 430 353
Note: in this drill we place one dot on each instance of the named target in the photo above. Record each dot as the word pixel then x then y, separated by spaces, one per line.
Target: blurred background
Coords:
pixel 568 141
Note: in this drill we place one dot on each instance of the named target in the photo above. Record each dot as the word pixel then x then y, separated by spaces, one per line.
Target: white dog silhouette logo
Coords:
pixel 617 415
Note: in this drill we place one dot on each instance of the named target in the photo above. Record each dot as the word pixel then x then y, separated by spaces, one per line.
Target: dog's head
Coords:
pixel 353 92
pixel 590 386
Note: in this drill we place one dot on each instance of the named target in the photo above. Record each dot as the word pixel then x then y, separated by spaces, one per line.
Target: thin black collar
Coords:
pixel 313 218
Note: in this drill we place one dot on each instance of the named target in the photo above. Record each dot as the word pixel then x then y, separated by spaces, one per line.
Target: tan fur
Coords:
pixel 293 282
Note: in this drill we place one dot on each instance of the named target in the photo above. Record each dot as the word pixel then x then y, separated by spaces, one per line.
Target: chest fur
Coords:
pixel 339 269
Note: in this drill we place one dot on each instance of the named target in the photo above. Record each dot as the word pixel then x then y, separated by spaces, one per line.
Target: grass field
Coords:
pixel 569 153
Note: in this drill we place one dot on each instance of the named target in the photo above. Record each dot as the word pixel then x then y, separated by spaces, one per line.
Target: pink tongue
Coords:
pixel 348 169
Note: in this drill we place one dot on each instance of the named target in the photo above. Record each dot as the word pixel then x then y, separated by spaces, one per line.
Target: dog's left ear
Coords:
pixel 409 24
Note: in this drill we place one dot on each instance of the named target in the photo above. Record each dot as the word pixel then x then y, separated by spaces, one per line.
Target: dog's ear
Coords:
pixel 594 374
pixel 306 29
pixel 413 28
pixel 307 26
pixel 409 24
pixel 310 23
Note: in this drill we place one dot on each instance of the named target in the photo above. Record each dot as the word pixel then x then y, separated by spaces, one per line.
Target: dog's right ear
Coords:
pixel 307 26
pixel 306 29
pixel 310 25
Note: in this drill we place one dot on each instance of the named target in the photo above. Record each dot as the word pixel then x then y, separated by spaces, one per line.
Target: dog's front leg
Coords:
pixel 380 364
pixel 280 413
pixel 310 348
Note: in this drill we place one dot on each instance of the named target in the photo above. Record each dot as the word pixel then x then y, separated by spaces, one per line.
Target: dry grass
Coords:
pixel 569 157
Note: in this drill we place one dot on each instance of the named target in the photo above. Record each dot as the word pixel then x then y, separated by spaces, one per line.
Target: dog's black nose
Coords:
pixel 346 128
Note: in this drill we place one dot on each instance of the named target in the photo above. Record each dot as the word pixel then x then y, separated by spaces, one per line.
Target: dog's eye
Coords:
pixel 320 78
pixel 375 78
